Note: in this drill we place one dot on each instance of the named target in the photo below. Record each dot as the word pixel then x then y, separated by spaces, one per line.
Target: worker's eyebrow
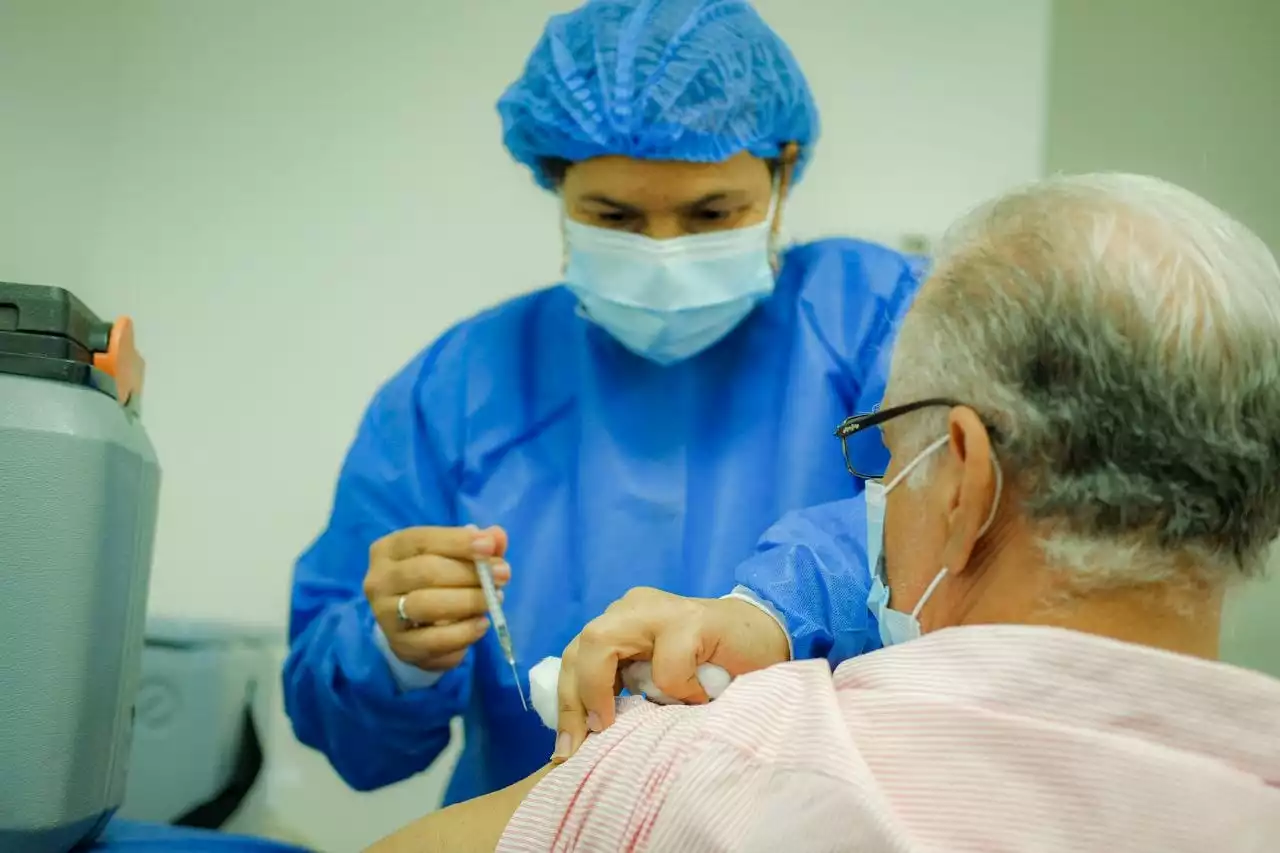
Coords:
pixel 709 198
pixel 732 196
pixel 620 206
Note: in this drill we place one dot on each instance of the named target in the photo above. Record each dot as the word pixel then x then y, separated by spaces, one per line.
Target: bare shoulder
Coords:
pixel 475 826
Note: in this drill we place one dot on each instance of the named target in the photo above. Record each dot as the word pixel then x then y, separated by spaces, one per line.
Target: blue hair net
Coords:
pixel 694 80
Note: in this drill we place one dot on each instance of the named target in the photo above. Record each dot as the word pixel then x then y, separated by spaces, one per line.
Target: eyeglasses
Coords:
pixel 865 453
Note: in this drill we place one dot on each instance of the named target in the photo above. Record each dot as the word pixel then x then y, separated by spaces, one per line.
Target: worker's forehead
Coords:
pixel 654 184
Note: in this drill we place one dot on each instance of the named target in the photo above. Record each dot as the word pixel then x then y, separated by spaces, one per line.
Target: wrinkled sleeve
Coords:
pixel 339 690
pixel 731 775
pixel 613 787
pixel 811 570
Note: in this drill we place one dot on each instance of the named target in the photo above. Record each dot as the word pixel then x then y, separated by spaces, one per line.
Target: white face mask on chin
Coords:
pixel 668 300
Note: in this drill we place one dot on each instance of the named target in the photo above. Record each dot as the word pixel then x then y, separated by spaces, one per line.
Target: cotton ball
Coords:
pixel 637 677
pixel 544 683
pixel 714 679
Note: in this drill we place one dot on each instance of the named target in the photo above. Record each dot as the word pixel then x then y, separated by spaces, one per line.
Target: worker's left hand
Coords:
pixel 677 635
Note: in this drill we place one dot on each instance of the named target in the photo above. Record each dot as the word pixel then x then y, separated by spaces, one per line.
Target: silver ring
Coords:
pixel 404 617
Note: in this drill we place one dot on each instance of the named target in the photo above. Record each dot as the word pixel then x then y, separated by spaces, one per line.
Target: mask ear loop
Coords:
pixel 995 504
pixel 564 240
pixel 782 185
pixel 910 466
pixel 982 531
pixel 928 593
pixel 898 478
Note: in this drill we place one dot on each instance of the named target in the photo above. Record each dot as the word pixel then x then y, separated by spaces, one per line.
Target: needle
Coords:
pixel 499 620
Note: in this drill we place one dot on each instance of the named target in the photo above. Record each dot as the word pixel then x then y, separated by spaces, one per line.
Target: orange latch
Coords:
pixel 122 362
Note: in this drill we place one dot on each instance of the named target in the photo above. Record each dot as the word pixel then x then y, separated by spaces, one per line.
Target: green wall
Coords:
pixel 1188 90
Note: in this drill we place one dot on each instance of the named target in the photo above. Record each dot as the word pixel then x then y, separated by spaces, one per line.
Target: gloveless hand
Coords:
pixel 432 571
pixel 676 634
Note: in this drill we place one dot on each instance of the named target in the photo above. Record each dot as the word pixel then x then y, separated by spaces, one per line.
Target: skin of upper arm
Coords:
pixel 475 826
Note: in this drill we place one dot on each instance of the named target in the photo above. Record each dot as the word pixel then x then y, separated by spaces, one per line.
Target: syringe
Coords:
pixel 499 620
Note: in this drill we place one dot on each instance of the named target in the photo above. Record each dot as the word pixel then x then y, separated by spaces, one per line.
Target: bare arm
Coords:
pixel 475 826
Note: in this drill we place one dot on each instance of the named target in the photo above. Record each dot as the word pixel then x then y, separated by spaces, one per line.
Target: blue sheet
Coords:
pixel 127 836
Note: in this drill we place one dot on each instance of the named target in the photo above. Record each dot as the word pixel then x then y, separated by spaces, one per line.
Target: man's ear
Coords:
pixel 973 486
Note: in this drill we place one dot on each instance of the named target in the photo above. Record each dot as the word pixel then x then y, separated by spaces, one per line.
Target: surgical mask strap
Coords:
pixel 986 525
pixel 564 239
pixel 924 454
pixel 921 456
pixel 774 218
pixel 995 504
pixel 781 186
pixel 928 593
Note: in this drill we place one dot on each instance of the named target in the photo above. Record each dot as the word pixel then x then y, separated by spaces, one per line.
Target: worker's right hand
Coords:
pixel 433 568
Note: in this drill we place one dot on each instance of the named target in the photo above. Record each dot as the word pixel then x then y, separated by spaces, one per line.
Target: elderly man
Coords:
pixel 1083 417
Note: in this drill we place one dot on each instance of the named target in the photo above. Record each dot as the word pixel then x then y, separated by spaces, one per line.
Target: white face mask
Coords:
pixel 668 300
pixel 895 625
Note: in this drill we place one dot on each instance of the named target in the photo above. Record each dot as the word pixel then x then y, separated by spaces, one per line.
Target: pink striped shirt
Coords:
pixel 991 738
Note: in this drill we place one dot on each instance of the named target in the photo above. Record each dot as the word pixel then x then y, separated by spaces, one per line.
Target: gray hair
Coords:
pixel 1121 336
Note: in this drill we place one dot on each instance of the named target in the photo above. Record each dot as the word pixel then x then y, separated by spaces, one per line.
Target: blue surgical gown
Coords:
pixel 608 472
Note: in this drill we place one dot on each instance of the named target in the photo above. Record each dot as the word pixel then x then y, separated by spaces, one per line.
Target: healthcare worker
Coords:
pixel 642 423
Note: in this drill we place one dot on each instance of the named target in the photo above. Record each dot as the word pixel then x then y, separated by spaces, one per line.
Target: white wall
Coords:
pixel 292 197
pixel 57 104
pixel 1189 91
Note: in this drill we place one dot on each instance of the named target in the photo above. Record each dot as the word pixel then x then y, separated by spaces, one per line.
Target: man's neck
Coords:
pixel 1183 618
pixel 1137 616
